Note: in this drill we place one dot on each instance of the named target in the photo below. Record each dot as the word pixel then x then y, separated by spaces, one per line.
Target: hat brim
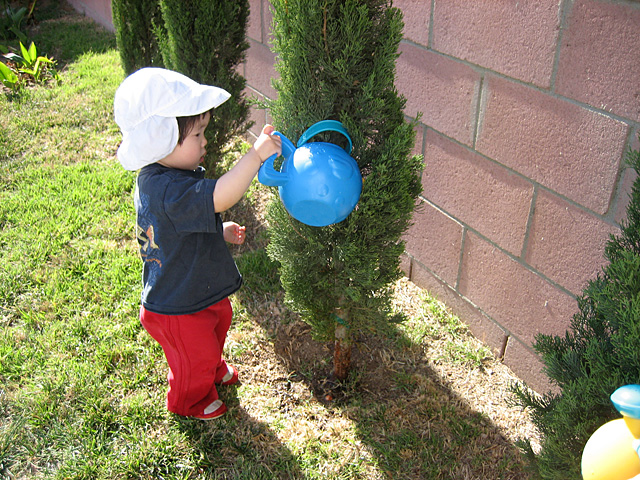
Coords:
pixel 199 99
pixel 156 136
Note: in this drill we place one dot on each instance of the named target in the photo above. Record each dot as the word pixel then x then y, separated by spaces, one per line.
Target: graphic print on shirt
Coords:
pixel 147 242
pixel 149 250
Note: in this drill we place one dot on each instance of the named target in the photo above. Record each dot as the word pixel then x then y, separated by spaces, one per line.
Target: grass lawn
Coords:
pixel 82 386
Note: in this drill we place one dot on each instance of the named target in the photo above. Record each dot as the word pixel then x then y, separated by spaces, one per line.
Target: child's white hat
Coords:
pixel 146 105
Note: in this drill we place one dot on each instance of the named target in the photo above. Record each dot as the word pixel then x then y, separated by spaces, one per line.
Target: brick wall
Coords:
pixel 527 109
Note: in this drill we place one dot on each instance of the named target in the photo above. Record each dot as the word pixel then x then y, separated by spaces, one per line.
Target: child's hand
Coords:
pixel 267 144
pixel 233 233
pixel 231 186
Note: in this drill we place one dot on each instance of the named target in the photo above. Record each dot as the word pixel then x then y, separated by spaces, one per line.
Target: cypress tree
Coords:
pixel 336 60
pixel 206 41
pixel 139 28
pixel 599 353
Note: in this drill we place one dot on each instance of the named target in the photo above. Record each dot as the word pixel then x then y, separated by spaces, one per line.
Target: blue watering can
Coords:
pixel 319 183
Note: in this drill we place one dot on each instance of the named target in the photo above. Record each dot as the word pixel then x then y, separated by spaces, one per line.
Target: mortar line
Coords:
pixel 564 8
pixel 467 300
pixel 604 217
pixel 463 242
pixel 481 70
pixel 430 35
pixel 509 254
pixel 527 230
pixel 479 104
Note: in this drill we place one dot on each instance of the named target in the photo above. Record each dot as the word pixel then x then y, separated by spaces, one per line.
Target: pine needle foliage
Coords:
pixel 206 41
pixel 336 60
pixel 599 353
pixel 139 28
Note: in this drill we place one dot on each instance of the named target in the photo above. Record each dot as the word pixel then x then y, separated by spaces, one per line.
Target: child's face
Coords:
pixel 190 153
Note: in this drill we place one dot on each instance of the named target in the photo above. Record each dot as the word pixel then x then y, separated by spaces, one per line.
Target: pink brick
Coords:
pixel 259 69
pixel 416 15
pixel 435 240
pixel 528 366
pixel 629 176
pixel 257 115
pixel 599 58
pixel 445 91
pixel 569 149
pixel 493 201
pixel 517 39
pixel 482 327
pixel 520 301
pixel 566 244
pixel 99 10
pixel 254 27
pixel 520 359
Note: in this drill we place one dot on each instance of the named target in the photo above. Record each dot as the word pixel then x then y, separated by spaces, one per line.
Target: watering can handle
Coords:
pixel 268 175
pixel 324 126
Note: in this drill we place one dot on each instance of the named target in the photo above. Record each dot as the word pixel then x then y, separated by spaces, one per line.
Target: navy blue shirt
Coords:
pixel 187 265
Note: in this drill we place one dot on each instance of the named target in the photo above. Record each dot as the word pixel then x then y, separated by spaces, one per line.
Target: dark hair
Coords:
pixel 185 124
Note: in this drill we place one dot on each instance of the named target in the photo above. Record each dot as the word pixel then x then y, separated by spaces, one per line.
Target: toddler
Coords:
pixel 188 272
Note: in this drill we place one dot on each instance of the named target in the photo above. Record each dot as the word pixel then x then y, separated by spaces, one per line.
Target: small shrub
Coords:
pixel 336 60
pixel 28 67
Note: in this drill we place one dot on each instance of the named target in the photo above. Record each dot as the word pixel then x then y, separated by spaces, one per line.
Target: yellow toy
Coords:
pixel 612 452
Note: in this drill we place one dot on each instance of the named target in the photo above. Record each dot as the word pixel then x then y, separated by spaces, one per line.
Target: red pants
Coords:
pixel 193 347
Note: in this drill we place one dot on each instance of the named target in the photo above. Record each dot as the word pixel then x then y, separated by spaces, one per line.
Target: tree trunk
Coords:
pixel 342 349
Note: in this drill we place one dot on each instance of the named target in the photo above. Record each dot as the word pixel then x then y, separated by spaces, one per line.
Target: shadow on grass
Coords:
pixel 403 411
pixel 61 33
pixel 237 446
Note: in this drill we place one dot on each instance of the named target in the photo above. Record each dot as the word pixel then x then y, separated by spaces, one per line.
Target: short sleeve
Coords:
pixel 188 203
